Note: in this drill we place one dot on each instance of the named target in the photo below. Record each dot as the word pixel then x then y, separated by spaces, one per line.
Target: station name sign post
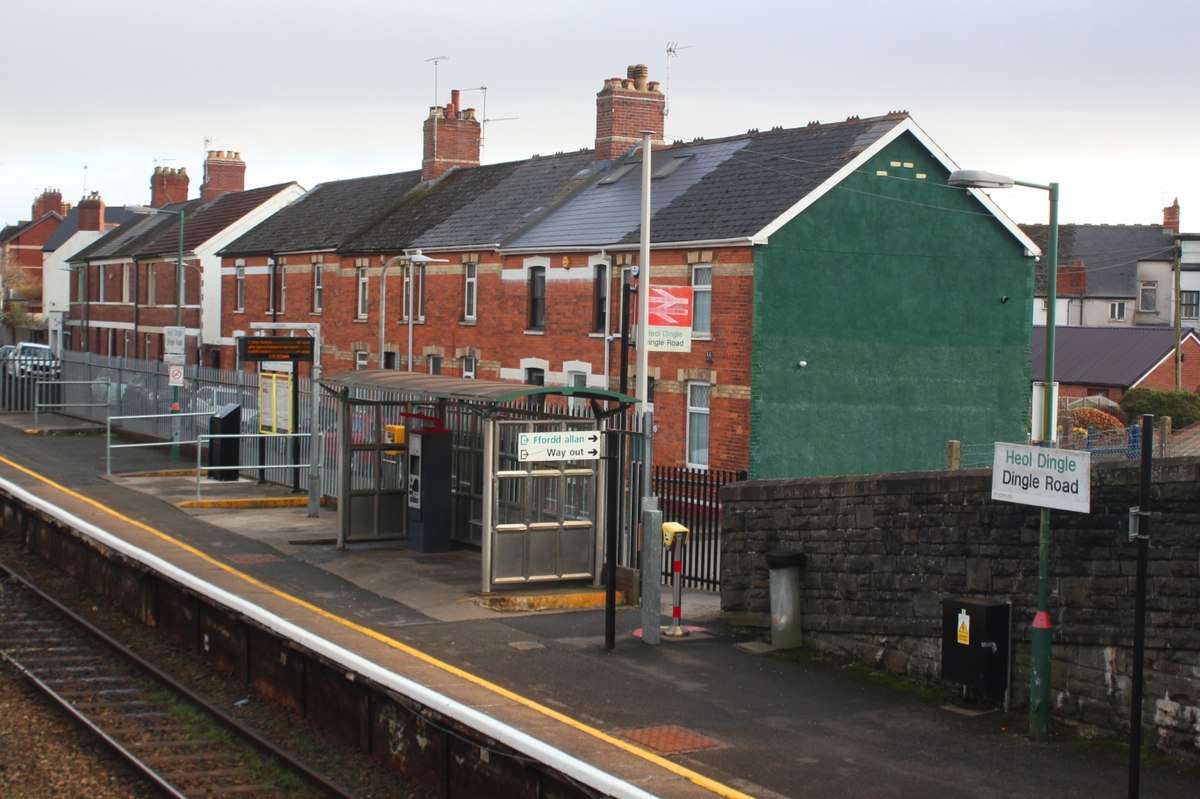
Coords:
pixel 1047 478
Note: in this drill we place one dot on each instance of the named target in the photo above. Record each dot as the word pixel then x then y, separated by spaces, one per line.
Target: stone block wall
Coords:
pixel 883 551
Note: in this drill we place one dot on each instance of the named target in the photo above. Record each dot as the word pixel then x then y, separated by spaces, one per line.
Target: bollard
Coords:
pixel 784 569
pixel 674 537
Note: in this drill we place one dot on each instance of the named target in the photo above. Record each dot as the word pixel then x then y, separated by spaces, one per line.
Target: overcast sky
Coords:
pixel 1098 95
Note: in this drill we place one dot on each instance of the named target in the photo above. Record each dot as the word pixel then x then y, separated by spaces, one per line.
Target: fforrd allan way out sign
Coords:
pixel 1048 478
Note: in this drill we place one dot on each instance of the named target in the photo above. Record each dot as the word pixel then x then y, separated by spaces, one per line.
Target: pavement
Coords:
pixel 722 702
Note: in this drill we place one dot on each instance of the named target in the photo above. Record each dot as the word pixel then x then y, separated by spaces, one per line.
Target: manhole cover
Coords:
pixel 249 560
pixel 671 739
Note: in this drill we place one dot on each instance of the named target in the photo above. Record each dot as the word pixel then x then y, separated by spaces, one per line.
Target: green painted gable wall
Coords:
pixel 891 289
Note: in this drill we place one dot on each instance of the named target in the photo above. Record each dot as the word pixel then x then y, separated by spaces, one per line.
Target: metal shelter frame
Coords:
pixel 495 501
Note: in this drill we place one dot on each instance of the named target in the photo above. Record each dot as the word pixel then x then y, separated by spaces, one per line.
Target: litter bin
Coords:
pixel 784 567
pixel 225 451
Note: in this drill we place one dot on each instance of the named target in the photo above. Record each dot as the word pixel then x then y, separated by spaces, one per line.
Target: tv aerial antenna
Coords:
pixel 484 119
pixel 673 49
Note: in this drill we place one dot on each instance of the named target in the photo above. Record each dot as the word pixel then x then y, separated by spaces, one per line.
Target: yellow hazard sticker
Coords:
pixel 964 628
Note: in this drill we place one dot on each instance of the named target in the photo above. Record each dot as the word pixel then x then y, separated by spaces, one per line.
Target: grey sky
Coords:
pixel 1094 95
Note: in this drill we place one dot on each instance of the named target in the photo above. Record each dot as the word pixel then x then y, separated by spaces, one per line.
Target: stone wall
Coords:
pixel 884 550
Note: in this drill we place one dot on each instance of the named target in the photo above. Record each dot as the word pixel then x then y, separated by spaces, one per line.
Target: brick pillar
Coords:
pixel 451 139
pixel 625 108
pixel 91 212
pixel 168 186
pixel 223 172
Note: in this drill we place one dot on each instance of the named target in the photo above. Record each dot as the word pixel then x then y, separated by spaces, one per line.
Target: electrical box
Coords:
pixel 977 646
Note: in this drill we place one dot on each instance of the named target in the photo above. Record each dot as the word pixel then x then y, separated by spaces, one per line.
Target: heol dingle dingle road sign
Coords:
pixel 1048 478
pixel 560 445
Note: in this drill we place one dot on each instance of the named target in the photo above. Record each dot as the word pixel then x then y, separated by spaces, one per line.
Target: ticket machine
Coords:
pixel 428 471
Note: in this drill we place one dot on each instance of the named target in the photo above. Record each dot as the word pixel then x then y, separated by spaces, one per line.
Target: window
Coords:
pixel 318 282
pixel 1116 312
pixel 470 290
pixel 272 272
pixel 363 296
pixel 1148 296
pixel 152 284
pixel 1189 304
pixel 537 298
pixel 282 288
pixel 435 364
pixel 469 365
pixel 697 425
pixel 702 299
pixel 103 280
pixel 415 272
pixel 577 405
pixel 240 289
pixel 126 281
pixel 600 299
pixel 360 359
pixel 536 377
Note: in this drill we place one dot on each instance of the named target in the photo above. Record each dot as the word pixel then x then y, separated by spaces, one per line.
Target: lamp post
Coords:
pixel 383 299
pixel 1041 634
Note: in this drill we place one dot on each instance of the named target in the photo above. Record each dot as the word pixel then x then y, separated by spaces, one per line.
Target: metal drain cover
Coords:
pixel 671 739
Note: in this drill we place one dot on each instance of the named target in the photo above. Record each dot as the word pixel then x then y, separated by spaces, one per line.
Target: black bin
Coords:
pixel 225 451
pixel 976 646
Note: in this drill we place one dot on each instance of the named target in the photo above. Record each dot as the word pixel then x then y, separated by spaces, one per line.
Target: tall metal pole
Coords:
pixel 652 544
pixel 178 323
pixel 1139 621
pixel 1041 635
pixel 409 269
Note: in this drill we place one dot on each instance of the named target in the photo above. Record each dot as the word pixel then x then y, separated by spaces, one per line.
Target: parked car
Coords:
pixel 210 399
pixel 33 360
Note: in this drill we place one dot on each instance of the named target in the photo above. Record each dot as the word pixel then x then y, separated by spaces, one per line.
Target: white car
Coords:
pixel 33 360
pixel 210 399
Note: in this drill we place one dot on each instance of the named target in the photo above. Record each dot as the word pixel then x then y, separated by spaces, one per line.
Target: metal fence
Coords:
pixel 692 498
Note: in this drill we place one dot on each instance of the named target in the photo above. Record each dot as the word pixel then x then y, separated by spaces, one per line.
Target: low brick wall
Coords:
pixel 884 550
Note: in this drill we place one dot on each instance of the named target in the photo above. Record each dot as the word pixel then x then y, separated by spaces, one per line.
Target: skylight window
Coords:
pixel 669 167
pixel 620 172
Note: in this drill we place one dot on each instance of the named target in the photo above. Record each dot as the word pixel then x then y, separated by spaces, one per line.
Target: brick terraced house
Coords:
pixel 851 311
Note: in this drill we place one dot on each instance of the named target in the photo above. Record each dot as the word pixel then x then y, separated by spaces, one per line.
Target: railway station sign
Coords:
pixel 560 445
pixel 1048 478
pixel 256 349
pixel 669 319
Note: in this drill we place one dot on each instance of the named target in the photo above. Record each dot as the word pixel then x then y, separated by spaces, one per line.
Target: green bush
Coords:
pixel 1182 406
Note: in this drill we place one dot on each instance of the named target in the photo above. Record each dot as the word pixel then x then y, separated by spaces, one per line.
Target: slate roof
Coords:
pixel 726 189
pixel 326 217
pixel 113 215
pixel 1117 356
pixel 1110 254
pixel 130 238
pixel 203 221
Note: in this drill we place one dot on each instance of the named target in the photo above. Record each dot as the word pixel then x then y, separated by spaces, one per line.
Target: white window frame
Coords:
pixel 272 270
pixel 1117 311
pixel 318 281
pixel 414 274
pixel 698 412
pixel 364 293
pixel 239 292
pixel 434 364
pixel 601 289
pixel 1148 289
pixel 470 291
pixel 126 282
pixel 1189 310
pixel 470 365
pixel 152 284
pixel 103 281
pixel 281 270
pixel 360 360
pixel 577 379
pixel 705 330
pixel 538 273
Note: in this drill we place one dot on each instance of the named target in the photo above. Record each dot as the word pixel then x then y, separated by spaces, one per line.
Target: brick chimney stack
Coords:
pixel 452 138
pixel 1171 217
pixel 625 108
pixel 91 212
pixel 49 201
pixel 223 172
pixel 168 185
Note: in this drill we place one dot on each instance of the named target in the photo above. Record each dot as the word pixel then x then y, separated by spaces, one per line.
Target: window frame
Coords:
pixel 470 291
pixel 1189 299
pixel 470 367
pixel 1147 288
pixel 239 291
pixel 702 289
pixel 318 286
pixel 536 299
pixel 1118 311
pixel 601 291
pixel 694 413
pixel 152 284
pixel 363 293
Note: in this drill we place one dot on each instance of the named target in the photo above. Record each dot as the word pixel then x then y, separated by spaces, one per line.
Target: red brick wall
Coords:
pixel 223 172
pixel 168 186
pixel 1163 377
pixel 500 341
pixel 458 138
pixel 625 108
pixel 91 212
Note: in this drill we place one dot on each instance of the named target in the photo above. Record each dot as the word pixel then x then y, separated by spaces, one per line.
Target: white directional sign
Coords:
pixel 174 338
pixel 1048 478
pixel 560 445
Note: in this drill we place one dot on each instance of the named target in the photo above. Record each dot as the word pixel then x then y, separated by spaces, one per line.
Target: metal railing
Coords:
pixel 108 436
pixel 204 441
pixel 37 394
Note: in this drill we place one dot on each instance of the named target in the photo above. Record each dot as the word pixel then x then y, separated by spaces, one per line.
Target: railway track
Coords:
pixel 175 739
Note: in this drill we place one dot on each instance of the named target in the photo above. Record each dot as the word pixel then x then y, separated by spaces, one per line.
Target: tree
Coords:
pixel 17 291
pixel 1182 406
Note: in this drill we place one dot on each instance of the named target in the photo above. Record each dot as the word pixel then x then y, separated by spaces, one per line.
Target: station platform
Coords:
pixel 717 713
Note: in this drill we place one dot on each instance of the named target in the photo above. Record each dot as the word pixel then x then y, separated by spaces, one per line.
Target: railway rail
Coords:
pixel 176 740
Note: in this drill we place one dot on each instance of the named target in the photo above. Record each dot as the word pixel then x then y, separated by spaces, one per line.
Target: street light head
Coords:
pixel 418 257
pixel 979 179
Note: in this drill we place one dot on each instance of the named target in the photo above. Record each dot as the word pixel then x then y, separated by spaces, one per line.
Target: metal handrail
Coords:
pixel 37 384
pixel 109 446
pixel 204 439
